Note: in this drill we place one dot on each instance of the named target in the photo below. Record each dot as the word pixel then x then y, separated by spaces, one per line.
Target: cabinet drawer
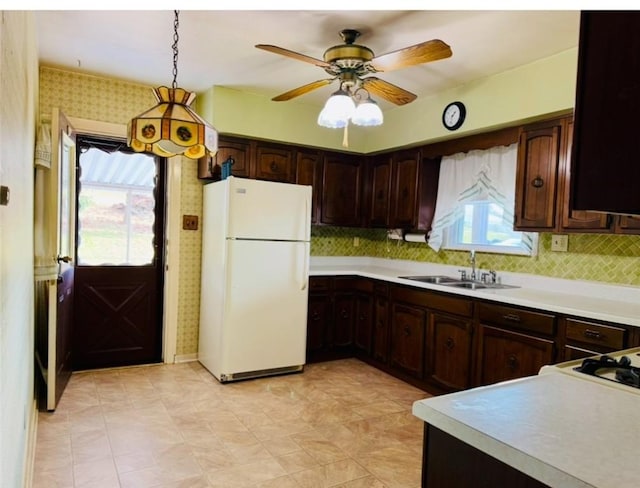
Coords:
pixel 432 300
pixel 380 288
pixel 319 283
pixel 598 334
pixel 516 318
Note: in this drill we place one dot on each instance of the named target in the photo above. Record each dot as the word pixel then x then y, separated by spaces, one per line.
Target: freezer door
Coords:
pixel 268 210
pixel 265 317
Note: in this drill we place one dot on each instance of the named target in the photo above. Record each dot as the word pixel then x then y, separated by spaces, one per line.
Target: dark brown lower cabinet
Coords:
pixel 408 328
pixel 318 313
pixel 449 352
pixel 380 346
pixel 506 355
pixel 447 462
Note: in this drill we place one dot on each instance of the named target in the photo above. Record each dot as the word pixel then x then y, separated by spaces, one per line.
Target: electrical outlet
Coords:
pixel 190 222
pixel 356 241
pixel 559 242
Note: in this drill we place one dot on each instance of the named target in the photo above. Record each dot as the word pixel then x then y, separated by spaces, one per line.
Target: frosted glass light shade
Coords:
pixel 172 127
pixel 337 110
pixel 367 113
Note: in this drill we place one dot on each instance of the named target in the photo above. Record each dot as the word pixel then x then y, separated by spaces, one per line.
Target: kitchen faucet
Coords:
pixel 473 264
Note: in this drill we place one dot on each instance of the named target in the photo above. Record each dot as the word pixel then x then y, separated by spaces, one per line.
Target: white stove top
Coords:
pixel 606 376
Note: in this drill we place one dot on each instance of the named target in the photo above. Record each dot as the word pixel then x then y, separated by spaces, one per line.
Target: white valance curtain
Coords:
pixel 476 175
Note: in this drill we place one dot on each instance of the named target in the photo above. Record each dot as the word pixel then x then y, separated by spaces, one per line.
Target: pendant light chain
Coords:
pixel 176 23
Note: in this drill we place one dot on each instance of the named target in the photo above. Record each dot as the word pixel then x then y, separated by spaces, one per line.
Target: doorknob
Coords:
pixel 64 259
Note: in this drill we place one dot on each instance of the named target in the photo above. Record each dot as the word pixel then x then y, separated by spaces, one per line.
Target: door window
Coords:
pixel 116 203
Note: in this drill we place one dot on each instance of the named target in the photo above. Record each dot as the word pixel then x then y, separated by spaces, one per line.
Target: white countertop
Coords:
pixel 600 301
pixel 563 431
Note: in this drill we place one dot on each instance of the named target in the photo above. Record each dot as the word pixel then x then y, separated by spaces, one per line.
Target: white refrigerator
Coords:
pixel 255 273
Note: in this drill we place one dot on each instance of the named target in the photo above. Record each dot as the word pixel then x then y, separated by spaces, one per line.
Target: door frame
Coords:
pixel 172 233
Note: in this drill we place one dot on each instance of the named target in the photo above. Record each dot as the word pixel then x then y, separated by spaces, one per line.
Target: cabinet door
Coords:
pixel 238 149
pixel 408 326
pixel 404 193
pixel 308 172
pixel 380 188
pixel 627 224
pixel 575 219
pixel 274 163
pixel 381 330
pixel 341 180
pixel 343 322
pixel 318 316
pixel 605 170
pixel 363 323
pixel 449 353
pixel 536 178
pixel 505 355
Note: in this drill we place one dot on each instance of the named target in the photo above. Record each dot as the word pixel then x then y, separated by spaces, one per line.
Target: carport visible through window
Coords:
pixel 116 205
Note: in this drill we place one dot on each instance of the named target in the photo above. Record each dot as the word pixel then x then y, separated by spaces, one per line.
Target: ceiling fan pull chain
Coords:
pixel 345 136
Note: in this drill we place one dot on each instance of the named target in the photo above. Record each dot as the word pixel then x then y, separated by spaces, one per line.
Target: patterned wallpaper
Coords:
pixel 593 257
pixel 604 258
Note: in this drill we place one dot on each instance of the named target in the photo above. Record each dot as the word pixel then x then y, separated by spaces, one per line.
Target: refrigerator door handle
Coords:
pixel 304 273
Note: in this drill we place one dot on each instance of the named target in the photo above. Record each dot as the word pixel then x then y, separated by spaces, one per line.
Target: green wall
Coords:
pixel 593 257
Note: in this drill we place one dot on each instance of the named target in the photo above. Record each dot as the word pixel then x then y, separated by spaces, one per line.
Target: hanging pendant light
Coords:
pixel 172 127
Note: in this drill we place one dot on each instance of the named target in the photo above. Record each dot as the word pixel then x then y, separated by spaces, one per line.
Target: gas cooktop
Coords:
pixel 619 369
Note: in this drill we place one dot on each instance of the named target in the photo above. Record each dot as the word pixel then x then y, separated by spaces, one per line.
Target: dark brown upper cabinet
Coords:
pixel 379 190
pixel 341 189
pixel 309 172
pixel 274 162
pixel 238 149
pixel 606 160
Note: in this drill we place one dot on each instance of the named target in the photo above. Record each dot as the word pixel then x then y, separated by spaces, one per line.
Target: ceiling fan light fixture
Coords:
pixel 172 128
pixel 337 110
pixel 367 113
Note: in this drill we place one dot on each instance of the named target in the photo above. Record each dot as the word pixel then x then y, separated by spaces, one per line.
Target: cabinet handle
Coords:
pixel 273 166
pixel 537 182
pixel 593 334
pixel 315 316
pixel 449 343
pixel 407 331
pixel 344 314
pixel 511 317
pixel 512 362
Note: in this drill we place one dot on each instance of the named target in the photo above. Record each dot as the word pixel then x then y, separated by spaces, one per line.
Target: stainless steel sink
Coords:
pixel 435 279
pixel 457 282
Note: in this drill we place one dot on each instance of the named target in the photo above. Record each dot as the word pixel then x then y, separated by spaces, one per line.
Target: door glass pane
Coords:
pixel 116 208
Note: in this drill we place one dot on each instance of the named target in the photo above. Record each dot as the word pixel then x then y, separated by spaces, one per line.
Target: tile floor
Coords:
pixel 337 424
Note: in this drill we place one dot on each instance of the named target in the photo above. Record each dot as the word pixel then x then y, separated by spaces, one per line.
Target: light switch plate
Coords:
pixel 559 242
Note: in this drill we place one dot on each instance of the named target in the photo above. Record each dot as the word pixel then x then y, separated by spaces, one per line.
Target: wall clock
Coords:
pixel 453 115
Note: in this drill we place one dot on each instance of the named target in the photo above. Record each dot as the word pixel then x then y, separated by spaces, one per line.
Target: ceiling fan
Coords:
pixel 353 64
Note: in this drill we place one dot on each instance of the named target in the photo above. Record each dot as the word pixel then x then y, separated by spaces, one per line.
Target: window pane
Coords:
pixel 116 209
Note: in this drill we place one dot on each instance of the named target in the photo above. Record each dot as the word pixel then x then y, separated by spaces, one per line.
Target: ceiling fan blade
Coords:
pixel 388 91
pixel 301 90
pixel 294 55
pixel 410 56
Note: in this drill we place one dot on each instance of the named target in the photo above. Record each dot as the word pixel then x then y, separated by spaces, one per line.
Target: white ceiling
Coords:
pixel 217 47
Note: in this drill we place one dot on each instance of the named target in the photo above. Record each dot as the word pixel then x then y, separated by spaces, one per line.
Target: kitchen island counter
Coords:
pixel 560 430
pixel 595 300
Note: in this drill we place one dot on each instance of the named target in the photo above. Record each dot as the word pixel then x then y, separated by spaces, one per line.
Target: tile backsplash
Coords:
pixel 592 257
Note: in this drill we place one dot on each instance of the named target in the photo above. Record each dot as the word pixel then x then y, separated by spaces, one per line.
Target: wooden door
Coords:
pixel 363 322
pixel 119 256
pixel 380 350
pixel 506 355
pixel 380 191
pixel 309 172
pixel 239 150
pixel 408 327
pixel 318 315
pixel 449 354
pixel 575 219
pixel 536 178
pixel 404 200
pixel 274 163
pixel 341 183
pixel 55 228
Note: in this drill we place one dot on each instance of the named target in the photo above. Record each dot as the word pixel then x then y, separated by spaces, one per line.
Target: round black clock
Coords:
pixel 453 115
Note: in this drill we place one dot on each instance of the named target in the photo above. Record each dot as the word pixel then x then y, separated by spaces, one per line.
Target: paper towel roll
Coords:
pixel 415 237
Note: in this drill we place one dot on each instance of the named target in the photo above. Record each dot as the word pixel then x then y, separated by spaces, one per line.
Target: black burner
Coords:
pixel 624 372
